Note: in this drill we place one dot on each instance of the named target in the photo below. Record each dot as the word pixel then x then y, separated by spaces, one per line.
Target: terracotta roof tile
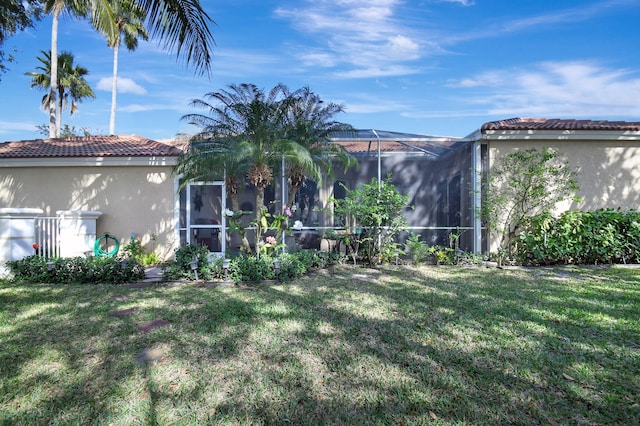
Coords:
pixel 89 146
pixel 559 124
pixel 371 147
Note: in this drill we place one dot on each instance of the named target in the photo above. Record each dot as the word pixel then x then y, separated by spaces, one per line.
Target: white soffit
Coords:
pixel 89 162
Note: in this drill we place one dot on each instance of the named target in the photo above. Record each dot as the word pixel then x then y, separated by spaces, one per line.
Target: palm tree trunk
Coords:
pixel 59 110
pixel 235 207
pixel 292 195
pixel 114 86
pixel 259 211
pixel 54 131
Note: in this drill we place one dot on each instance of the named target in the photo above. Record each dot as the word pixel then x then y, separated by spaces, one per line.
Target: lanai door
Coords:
pixel 202 220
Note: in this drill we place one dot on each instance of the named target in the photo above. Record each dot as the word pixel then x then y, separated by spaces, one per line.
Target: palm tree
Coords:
pixel 209 158
pixel 311 124
pixel 181 24
pixel 56 8
pixel 248 128
pixel 125 22
pixel 72 85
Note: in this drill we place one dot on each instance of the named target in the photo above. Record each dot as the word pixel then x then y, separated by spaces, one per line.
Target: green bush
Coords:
pixel 418 250
pixel 180 267
pixel 250 268
pixel 36 269
pixel 291 267
pixel 602 236
pixel 373 215
pixel 134 250
pixel 246 267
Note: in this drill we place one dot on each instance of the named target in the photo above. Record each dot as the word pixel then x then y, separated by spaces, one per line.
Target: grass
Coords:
pixel 355 346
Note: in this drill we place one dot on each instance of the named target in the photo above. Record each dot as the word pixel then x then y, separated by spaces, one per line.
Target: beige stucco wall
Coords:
pixel 609 171
pixel 136 199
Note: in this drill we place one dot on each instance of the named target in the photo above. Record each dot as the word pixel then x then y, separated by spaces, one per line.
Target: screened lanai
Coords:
pixel 438 174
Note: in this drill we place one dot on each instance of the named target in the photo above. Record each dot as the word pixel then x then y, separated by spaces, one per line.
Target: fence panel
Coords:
pixel 48 236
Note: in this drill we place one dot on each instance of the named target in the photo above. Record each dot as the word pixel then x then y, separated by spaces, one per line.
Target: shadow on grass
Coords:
pixel 402 345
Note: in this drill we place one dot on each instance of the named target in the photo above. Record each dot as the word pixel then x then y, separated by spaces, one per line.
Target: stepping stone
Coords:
pixel 150 355
pixel 148 326
pixel 124 312
pixel 119 298
pixel 362 277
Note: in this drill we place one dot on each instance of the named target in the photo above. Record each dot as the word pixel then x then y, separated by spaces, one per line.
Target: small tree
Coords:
pixel 525 183
pixel 373 217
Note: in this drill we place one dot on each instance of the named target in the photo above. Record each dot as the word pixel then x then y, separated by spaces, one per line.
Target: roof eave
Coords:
pixel 148 161
pixel 530 134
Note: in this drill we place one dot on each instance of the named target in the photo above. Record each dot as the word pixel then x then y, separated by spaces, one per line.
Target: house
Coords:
pixel 605 153
pixel 129 180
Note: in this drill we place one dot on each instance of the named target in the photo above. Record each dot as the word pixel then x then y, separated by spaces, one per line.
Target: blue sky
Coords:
pixel 440 67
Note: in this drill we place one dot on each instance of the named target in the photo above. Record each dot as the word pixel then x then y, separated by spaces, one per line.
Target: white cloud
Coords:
pixel 373 71
pixel 558 89
pixel 125 85
pixel 460 2
pixel 511 24
pixel 365 39
pixel 12 126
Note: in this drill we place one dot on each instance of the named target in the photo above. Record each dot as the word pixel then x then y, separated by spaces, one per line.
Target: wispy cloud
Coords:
pixel 507 24
pixel 461 2
pixel 368 39
pixel 125 85
pixel 562 89
pixel 12 126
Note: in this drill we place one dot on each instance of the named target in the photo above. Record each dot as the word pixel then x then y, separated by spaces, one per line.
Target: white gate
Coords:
pixel 48 236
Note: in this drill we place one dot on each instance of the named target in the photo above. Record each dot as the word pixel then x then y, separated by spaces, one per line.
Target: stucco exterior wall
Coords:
pixel 136 199
pixel 609 170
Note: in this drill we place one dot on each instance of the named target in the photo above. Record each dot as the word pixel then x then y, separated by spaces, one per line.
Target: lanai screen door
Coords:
pixel 202 219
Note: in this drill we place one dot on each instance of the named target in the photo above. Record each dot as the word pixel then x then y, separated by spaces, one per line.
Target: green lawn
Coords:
pixel 403 346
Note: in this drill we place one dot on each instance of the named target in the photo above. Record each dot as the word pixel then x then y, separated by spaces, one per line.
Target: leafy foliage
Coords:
pixel 523 184
pixel 246 267
pixel 248 133
pixel 249 268
pixel 135 250
pixel 373 218
pixel 92 270
pixel 180 267
pixel 16 15
pixel 601 236
pixel 418 250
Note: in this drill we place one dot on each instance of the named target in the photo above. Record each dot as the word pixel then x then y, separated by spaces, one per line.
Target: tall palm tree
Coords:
pixel 249 126
pixel 56 8
pixel 72 85
pixel 124 22
pixel 181 25
pixel 311 124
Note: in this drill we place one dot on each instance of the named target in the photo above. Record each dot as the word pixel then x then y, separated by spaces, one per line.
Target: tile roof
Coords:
pixel 365 142
pixel 371 147
pixel 89 146
pixel 559 124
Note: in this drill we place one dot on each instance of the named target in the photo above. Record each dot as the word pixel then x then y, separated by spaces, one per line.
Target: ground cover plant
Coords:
pixel 395 345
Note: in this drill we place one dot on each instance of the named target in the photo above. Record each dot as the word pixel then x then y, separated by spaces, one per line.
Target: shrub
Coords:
pixel 523 184
pixel 35 269
pixel 134 250
pixel 373 215
pixel 418 250
pixel 180 267
pixel 575 237
pixel 251 268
